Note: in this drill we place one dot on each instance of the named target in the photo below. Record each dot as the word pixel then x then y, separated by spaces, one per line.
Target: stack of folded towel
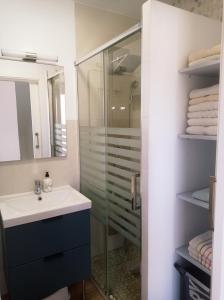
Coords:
pixel 203 111
pixel 204 55
pixel 200 248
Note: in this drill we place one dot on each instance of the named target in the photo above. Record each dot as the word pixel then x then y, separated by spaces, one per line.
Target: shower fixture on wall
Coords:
pixel 133 87
pixel 126 63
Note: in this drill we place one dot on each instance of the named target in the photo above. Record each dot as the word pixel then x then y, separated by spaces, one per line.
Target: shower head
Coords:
pixel 126 63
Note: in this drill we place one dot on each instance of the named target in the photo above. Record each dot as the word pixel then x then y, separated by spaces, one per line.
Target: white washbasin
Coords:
pixel 18 209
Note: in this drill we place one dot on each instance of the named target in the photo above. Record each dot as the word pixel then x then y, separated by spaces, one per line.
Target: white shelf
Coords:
pixel 198 137
pixel 183 252
pixel 188 197
pixel 211 68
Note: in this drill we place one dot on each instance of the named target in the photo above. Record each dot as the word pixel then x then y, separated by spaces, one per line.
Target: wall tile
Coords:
pixel 209 8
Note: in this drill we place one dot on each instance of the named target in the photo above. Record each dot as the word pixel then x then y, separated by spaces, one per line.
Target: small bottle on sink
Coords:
pixel 47 183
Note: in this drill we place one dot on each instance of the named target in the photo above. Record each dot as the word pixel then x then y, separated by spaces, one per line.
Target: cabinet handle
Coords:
pixel 54 256
pixel 54 219
pixel 211 201
pixel 134 204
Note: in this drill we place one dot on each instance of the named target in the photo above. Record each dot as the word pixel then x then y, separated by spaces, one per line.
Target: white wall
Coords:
pixel 94 27
pixel 43 26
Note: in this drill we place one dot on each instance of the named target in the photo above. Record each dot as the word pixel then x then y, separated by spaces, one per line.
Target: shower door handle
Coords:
pixel 134 204
pixel 37 140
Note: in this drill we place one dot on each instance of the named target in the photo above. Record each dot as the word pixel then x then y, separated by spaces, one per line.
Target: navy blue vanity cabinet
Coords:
pixel 44 256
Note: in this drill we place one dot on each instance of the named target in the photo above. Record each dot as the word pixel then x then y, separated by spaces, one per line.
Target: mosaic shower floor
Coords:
pixel 123 273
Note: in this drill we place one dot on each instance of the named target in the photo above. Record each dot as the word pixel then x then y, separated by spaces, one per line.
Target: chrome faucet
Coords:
pixel 37 189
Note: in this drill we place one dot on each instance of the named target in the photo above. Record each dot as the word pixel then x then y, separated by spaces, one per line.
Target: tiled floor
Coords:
pixel 91 292
pixel 123 272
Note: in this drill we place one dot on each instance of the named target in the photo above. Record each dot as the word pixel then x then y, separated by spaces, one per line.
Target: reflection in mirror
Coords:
pixel 32 114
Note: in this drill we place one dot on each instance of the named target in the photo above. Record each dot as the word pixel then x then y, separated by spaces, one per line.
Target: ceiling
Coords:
pixel 130 8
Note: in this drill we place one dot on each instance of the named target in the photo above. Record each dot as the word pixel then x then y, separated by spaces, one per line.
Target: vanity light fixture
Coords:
pixel 27 56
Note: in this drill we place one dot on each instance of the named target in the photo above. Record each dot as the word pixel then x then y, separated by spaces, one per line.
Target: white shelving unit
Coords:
pixel 209 69
pixel 188 198
pixel 183 252
pixel 180 162
pixel 204 70
pixel 198 137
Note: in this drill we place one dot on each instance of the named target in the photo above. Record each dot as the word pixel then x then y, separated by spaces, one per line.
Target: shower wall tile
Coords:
pixel 209 8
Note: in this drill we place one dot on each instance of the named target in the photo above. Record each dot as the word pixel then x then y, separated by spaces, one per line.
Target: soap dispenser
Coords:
pixel 47 183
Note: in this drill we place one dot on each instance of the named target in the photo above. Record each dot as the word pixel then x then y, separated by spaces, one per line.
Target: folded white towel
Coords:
pixel 211 90
pixel 203 114
pixel 193 252
pixel 194 256
pixel 202 130
pixel 204 60
pixel 203 122
pixel 212 105
pixel 202 53
pixel 204 99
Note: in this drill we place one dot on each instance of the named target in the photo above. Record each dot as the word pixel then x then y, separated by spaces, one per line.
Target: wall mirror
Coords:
pixel 32 113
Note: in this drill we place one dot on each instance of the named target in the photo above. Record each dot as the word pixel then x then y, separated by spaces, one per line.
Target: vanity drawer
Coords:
pixel 32 241
pixel 41 278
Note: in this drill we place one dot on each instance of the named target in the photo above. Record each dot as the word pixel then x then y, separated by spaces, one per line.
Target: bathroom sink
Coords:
pixel 24 208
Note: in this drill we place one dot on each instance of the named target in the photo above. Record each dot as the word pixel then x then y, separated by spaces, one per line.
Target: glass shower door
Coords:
pixel 92 139
pixel 123 152
pixel 110 150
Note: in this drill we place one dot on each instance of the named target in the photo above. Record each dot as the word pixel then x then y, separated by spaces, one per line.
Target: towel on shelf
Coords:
pixel 206 251
pixel 202 195
pixel 202 122
pixel 200 249
pixel 194 255
pixel 207 263
pixel 212 90
pixel 204 60
pixel 202 259
pixel 203 114
pixel 201 238
pixel 201 245
pixel 200 255
pixel 206 106
pixel 202 130
pixel 202 53
pixel 199 100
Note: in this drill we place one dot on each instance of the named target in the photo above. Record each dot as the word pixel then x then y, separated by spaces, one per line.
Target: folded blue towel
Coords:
pixel 202 195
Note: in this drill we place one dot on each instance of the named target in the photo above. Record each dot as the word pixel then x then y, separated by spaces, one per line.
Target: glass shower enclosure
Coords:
pixel 110 149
